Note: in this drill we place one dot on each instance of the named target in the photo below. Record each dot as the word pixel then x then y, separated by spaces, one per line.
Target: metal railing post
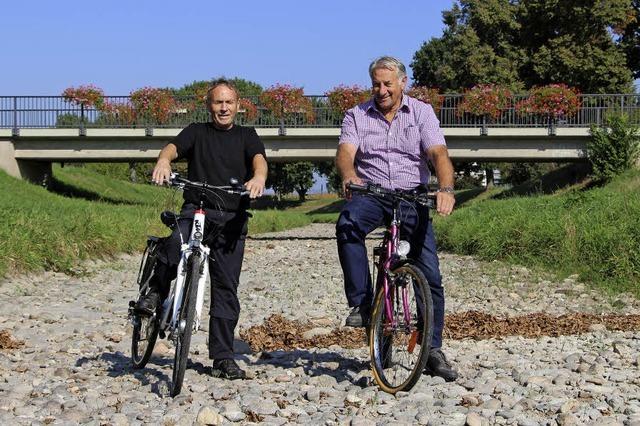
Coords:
pixel 15 131
pixel 282 131
pixel 81 130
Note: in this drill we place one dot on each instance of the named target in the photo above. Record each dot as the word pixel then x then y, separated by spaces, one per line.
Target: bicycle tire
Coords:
pixel 186 314
pixel 394 363
pixel 145 328
pixel 143 339
pixel 148 262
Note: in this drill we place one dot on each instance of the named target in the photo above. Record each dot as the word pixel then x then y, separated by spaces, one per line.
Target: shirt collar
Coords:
pixel 404 105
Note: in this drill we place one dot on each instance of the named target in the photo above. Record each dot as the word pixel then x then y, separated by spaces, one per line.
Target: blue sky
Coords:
pixel 121 46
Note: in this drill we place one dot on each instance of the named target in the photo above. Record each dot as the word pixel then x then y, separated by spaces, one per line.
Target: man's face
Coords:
pixel 223 107
pixel 387 88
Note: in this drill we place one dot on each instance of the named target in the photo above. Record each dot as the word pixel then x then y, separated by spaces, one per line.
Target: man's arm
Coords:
pixel 345 159
pixel 439 156
pixel 255 185
pixel 162 170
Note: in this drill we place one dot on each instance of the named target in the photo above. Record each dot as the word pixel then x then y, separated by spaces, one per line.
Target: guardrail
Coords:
pixel 23 112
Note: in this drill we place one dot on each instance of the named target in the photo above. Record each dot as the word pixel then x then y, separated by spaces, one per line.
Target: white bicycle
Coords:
pixel 179 315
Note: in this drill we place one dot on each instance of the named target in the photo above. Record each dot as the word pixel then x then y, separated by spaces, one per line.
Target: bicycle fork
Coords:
pixel 173 303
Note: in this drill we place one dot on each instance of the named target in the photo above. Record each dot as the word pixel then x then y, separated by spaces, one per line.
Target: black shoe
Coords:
pixel 227 369
pixel 358 317
pixel 437 365
pixel 149 302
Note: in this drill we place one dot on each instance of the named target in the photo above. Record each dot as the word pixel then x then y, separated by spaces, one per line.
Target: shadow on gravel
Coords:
pixel 347 369
pixel 120 365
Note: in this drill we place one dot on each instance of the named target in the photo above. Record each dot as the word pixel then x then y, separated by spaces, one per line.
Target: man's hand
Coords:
pixel 161 172
pixel 255 186
pixel 351 179
pixel 445 202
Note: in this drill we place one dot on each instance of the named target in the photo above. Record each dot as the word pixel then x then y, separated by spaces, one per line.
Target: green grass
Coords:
pixel 593 232
pixel 87 214
pixel 44 230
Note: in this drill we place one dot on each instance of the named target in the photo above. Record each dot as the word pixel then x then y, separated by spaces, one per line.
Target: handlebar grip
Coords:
pixel 355 187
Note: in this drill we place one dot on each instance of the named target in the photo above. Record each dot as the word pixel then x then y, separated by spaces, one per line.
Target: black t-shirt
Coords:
pixel 214 156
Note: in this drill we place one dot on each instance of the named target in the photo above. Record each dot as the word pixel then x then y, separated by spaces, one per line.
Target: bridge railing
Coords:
pixel 20 112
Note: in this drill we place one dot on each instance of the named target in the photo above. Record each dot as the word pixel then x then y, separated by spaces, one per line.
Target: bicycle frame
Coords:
pixel 174 301
pixel 385 264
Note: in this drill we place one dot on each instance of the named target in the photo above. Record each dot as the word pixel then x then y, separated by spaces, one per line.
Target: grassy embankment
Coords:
pixel 90 215
pixel 594 232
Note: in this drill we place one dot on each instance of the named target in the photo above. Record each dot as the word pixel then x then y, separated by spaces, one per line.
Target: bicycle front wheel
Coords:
pixel 400 333
pixel 185 322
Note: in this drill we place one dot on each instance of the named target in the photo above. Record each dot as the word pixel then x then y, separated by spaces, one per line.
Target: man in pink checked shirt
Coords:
pixel 388 141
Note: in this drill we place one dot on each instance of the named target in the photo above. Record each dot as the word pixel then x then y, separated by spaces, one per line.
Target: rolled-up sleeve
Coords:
pixel 430 132
pixel 348 132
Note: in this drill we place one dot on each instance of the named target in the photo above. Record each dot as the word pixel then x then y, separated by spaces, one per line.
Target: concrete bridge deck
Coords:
pixel 30 154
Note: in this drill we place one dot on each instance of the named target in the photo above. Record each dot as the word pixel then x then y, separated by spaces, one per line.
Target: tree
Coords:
pixel 630 41
pixel 284 178
pixel 522 43
pixel 300 174
pixel 477 46
pixel 199 88
pixel 334 180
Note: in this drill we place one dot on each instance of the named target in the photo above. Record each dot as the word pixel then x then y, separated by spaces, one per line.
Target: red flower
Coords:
pixel 87 95
pixel 284 100
pixel 552 100
pixel 485 99
pixel 342 98
pixel 428 95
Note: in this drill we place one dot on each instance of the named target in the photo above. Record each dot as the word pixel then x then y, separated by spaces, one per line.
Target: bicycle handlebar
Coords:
pixel 427 199
pixel 177 181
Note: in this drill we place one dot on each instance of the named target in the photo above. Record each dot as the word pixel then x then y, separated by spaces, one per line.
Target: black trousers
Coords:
pixel 225 234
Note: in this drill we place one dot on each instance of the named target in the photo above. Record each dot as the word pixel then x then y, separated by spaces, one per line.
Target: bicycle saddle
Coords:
pixel 169 218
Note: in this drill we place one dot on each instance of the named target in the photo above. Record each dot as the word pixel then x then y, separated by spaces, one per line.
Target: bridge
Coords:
pixel 36 131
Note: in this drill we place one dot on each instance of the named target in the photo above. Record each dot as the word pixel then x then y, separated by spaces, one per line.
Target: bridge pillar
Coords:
pixel 38 172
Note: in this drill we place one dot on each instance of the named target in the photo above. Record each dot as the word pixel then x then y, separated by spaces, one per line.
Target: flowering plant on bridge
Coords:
pixel 285 101
pixel 342 98
pixel 86 95
pixel 488 100
pixel 248 109
pixel 553 101
pixel 117 114
pixel 153 106
pixel 428 95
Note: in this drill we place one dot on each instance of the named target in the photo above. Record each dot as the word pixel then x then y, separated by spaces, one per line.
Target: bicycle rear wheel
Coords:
pixel 399 343
pixel 185 322
pixel 143 339
pixel 145 327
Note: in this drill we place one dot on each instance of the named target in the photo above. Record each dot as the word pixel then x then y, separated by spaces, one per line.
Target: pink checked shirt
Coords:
pixel 392 154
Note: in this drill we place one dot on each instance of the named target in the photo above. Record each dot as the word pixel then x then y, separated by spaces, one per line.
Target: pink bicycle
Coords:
pixel 401 322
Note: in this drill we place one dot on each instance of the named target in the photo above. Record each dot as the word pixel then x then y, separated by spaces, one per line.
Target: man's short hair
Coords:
pixel 390 63
pixel 221 82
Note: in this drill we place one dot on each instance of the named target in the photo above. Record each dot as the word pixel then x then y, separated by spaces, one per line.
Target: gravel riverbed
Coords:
pixel 74 364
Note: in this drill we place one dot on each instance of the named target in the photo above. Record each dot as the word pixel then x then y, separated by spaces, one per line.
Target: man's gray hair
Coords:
pixel 221 82
pixel 390 63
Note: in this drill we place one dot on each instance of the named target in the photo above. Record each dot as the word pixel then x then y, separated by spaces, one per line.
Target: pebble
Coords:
pixel 75 365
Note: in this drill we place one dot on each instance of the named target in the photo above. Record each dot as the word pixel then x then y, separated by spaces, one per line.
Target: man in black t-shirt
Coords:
pixel 215 152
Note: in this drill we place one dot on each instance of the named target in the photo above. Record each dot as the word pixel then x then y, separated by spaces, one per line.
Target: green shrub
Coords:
pixel 613 148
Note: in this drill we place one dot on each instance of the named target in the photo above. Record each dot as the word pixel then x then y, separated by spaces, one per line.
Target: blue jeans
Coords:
pixel 361 215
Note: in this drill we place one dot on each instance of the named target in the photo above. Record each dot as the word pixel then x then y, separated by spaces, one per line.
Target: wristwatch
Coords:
pixel 448 189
